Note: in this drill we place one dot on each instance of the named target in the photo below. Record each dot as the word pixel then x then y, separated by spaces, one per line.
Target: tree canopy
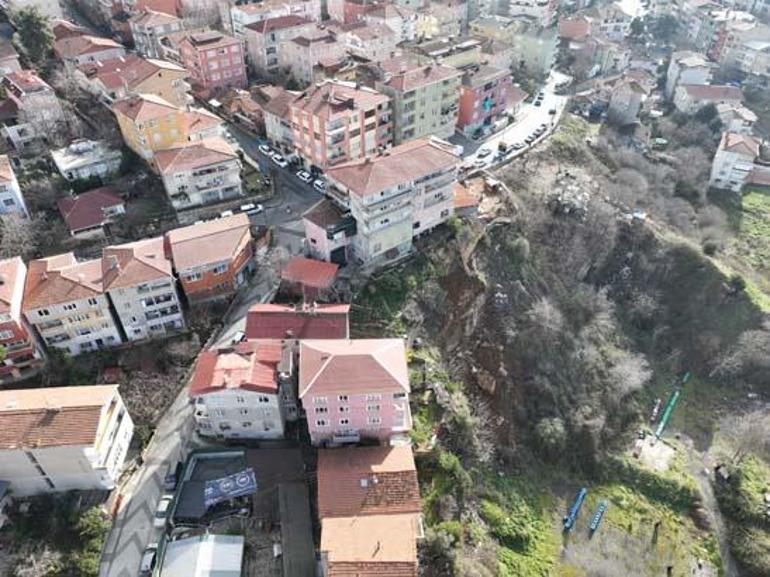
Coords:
pixel 34 33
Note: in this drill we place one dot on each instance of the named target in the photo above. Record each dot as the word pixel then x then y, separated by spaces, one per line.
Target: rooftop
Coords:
pixel 357 481
pixel 61 279
pixel 204 556
pixel 144 107
pixel 332 97
pixel 209 242
pixel 194 155
pixel 405 75
pixel 343 365
pixel 310 272
pixel 151 18
pixel 11 291
pixel 52 416
pixel 128 71
pixel 211 39
pixel 740 143
pixel 314 321
pixel 88 209
pixel 252 366
pixel 83 152
pixel 279 23
pixel 713 92
pixel 26 80
pixel 74 46
pixel 135 263
pixel 403 163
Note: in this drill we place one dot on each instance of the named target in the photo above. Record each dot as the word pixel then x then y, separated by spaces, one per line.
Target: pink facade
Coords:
pixel 215 61
pixel 21 352
pixel 336 122
pixel 483 97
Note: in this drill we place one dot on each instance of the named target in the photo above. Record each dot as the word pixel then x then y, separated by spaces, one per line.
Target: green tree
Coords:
pixel 665 27
pixel 34 32
pixel 637 28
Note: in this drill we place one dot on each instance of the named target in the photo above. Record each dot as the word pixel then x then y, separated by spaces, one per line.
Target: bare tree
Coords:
pixel 629 373
pixel 545 315
pixel 20 235
pixel 748 434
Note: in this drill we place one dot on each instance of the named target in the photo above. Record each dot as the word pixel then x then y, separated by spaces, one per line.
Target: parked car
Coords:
pixel 552 112
pixel 279 160
pixel 530 139
pixel 304 176
pixel 238 337
pixel 319 185
pixel 161 511
pixel 226 213
pixel 251 209
pixel 266 150
pixel 538 102
pixel 518 145
pixel 483 152
pixel 479 163
pixel 147 564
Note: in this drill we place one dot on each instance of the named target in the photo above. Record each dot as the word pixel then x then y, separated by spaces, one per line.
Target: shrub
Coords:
pixel 510 529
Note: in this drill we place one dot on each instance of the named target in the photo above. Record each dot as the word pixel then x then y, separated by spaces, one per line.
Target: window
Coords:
pixel 5 335
pixel 374 420
pixel 43 313
pixel 264 399
pixel 321 423
pixel 376 397
pixel 344 409
pixel 319 400
pixel 93 302
pixel 8 202
pixel 240 399
pixel 70 307
pixel 244 411
pixel 344 422
pixel 191 277
pixel 246 424
pixel 224 426
pixel 342 398
pixel 220 269
pixel 399 395
pixel 321 410
pixel 372 408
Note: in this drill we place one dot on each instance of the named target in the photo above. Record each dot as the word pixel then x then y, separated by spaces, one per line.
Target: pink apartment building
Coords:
pixel 215 61
pixel 334 122
pixel 354 389
pixel 483 97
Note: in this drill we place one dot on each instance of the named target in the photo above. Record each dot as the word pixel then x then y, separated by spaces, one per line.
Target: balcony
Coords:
pixel 346 437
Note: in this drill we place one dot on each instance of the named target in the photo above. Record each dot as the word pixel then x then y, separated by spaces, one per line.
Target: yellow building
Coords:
pixel 149 123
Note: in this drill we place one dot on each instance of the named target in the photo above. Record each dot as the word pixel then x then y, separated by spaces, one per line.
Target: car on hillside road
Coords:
pixel 483 152
pixel 304 176
pixel 319 185
pixel 279 160
pixel 161 511
pixel 147 564
pixel 266 150
pixel 251 209
pixel 479 163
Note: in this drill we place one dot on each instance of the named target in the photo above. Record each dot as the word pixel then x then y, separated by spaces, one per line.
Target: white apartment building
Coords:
pixel 401 20
pixel 238 392
pixel 31 106
pixel 199 173
pixel 239 16
pixel 63 438
pixel 396 196
pixel 139 280
pixel 737 159
pixel 84 159
pixel 65 301
pixel 148 27
pixel 264 39
pixel 11 199
pixel 687 67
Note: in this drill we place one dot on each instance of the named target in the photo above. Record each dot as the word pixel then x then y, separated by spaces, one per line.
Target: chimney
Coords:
pixel 112 262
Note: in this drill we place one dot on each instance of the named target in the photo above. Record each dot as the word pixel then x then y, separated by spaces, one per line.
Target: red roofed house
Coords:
pixel 238 391
pixel 212 259
pixel 365 494
pixel 88 213
pixel 315 321
pixel 354 389
pixel 200 173
pixel 689 98
pixel 31 108
pixel 308 277
pixel 329 231
pixel 21 351
pixel 139 279
pixel 396 196
pixel 63 438
pixel 216 62
pixel 66 303
pixel 739 159
pixel 77 50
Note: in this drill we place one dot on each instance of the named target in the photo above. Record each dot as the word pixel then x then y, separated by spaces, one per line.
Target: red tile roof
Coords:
pixel 74 46
pixel 86 210
pixel 11 291
pixel 463 198
pixel 278 23
pixel 128 71
pixel 144 107
pixel 321 321
pixel 310 273
pixel 194 155
pixel 345 366
pixel 740 143
pixel 134 263
pixel 6 169
pixel 406 76
pixel 52 417
pixel 358 481
pixel 712 92
pixel 252 366
pixel 209 242
pixel 332 97
pixel 403 163
pixel 574 29
pixel 61 279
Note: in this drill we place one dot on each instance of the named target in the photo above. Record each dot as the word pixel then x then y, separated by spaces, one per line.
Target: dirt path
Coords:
pixel 701 467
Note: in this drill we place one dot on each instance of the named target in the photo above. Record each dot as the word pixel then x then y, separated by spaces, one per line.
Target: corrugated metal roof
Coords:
pixel 204 556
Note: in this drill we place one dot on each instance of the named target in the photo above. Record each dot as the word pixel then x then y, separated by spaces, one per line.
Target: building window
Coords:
pixel 344 409
pixel 376 397
pixel 70 306
pixel 344 422
pixel 246 424
pixel 321 423
pixel 220 269
pixel 319 400
pixel 93 302
pixel 399 395
pixel 264 399
pixel 5 335
pixel 192 277
pixel 342 398
pixel 43 313
pixel 374 420
pixel 372 408
pixel 244 411
pixel 321 410
pixel 240 400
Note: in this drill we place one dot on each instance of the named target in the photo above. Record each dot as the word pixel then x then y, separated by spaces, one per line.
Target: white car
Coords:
pixel 483 151
pixel 304 176
pixel 279 160
pixel 266 150
pixel 319 185
pixel 225 214
pixel 161 512
pixel 251 209
pixel 479 163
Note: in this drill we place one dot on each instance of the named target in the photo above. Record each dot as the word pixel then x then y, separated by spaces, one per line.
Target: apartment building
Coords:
pixel 83 159
pixel 299 56
pixel 396 196
pixel 240 391
pixel 329 231
pixel 424 98
pixel 264 40
pixel 64 300
pixel 212 259
pixel 541 11
pixel 354 389
pixel 738 160
pixel 63 438
pixel 687 67
pixel 335 122
pixel 22 351
pixel 368 41
pixel 736 118
pixel 199 173
pixel 139 280
pixel 458 52
pixel 483 98
pixel 30 109
pixel 11 198
pixel 689 98
pixel 370 511
pixel 752 57
pixel 149 123
pixel 216 62
pixel 278 127
pixel 77 50
pixel 239 16
pixel 131 75
pixel 147 29
pixel 401 20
